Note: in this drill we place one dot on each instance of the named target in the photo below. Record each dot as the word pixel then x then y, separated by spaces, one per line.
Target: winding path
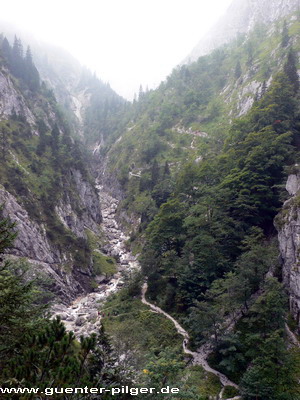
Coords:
pixel 199 357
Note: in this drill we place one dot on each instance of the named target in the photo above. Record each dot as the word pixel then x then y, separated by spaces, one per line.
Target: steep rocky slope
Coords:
pixel 241 18
pixel 45 187
pixel 288 226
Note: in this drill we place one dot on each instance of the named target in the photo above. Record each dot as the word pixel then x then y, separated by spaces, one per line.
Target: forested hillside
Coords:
pixel 188 117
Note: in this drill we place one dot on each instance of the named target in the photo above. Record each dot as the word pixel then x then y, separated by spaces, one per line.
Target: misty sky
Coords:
pixel 127 42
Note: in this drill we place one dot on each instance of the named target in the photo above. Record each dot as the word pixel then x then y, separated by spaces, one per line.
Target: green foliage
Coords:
pixel 230 392
pixel 238 70
pixel 136 331
pixel 290 69
pixel 285 35
pixel 103 265
pixel 19 314
pixel 7 233
pixel 272 372
pixel 207 252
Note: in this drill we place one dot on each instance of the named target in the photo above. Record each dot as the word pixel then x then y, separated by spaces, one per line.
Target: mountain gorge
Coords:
pixel 190 181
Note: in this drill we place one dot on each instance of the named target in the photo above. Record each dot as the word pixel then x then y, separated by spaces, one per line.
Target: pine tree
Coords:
pixel 238 70
pixel 17 63
pixel 166 169
pixel 250 53
pixel 154 173
pixel 7 233
pixel 6 50
pixel 264 88
pixel 31 75
pixel 285 35
pixel 4 142
pixel 290 69
pixel 55 139
pixel 141 92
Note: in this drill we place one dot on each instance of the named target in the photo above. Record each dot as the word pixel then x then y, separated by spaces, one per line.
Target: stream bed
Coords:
pixel 82 316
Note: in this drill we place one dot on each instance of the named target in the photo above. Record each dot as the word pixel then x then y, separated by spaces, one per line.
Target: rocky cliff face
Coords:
pixel 87 203
pixel 241 17
pixel 47 259
pixel 288 226
pixel 12 100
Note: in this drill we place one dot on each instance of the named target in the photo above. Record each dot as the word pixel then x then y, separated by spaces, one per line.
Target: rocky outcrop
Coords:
pixel 33 245
pixel 87 205
pixel 11 100
pixel 287 223
pixel 54 262
pixel 31 241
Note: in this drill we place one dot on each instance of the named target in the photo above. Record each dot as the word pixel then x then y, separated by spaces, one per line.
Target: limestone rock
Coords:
pixel 87 202
pixel 293 184
pixel 80 321
pixel 32 243
pixel 287 223
pixel 11 100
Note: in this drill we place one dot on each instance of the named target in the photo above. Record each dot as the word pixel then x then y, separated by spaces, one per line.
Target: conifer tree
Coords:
pixel 17 58
pixel 6 50
pixel 263 89
pixel 290 69
pixel 238 70
pixel 55 139
pixel 285 35
pixel 31 75
pixel 154 173
pixel 4 142
pixel 7 233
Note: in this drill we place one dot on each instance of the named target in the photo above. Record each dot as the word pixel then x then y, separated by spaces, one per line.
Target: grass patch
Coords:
pixel 205 383
pixel 102 264
pixel 230 392
pixel 95 241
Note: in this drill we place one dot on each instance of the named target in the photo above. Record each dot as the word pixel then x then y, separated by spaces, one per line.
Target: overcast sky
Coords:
pixel 127 42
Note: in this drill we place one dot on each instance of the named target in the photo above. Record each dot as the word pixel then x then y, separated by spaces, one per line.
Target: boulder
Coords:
pixel 80 321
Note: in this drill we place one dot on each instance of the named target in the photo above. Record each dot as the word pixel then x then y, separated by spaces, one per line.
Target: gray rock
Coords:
pixel 92 316
pixel 100 279
pixel 11 100
pixel 80 321
pixel 287 224
pixel 293 184
pixel 63 316
pixel 101 289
